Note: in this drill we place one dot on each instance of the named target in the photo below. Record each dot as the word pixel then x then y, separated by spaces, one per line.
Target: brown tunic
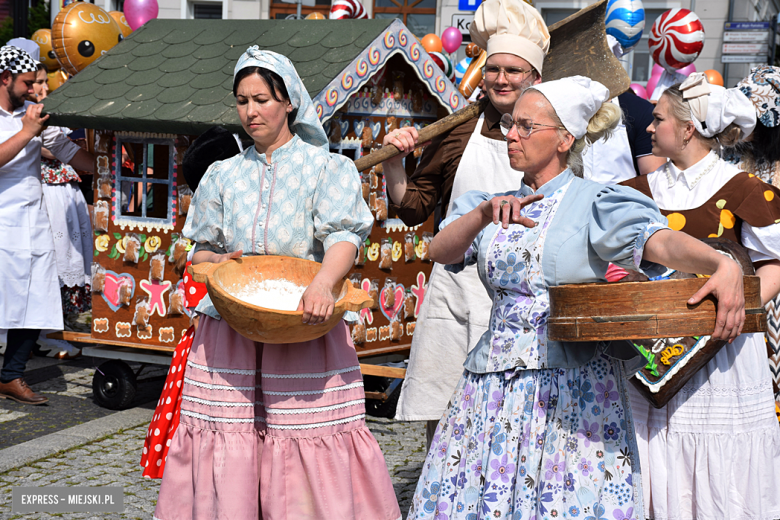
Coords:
pixel 434 176
pixel 745 198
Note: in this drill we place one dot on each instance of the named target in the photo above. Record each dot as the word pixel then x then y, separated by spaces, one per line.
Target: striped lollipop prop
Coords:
pixel 347 9
pixel 443 62
pixel 676 39
pixel 625 21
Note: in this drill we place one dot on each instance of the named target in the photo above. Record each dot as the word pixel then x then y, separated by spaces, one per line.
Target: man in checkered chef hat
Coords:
pixel 29 288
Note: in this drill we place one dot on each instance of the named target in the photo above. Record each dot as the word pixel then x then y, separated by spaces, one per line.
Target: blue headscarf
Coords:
pixel 303 120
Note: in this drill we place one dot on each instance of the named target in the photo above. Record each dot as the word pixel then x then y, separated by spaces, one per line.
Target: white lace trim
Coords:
pixel 206 402
pixel 218 387
pixel 311 375
pixel 350 386
pixel 209 418
pixel 741 390
pixel 212 370
pixel 311 425
pixel 298 411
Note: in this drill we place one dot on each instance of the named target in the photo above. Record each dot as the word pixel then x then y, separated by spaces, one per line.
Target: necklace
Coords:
pixel 695 181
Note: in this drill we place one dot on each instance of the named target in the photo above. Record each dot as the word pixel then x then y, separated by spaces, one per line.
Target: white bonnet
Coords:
pixel 512 27
pixel 575 100
pixel 713 107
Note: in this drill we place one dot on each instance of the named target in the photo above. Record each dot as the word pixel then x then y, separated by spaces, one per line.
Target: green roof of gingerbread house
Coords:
pixel 175 76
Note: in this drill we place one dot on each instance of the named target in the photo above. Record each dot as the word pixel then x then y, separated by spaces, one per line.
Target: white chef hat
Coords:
pixel 713 107
pixel 512 27
pixel 28 46
pixel 575 100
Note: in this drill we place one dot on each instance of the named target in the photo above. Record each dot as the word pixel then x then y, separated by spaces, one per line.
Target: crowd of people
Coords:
pixel 572 182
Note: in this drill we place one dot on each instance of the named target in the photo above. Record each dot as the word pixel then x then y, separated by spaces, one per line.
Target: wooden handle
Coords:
pixel 426 134
pixel 200 272
pixel 355 299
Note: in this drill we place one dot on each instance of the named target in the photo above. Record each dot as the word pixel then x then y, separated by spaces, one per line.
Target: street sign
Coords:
pixel 468 5
pixel 745 26
pixel 745 48
pixel 746 36
pixel 462 22
pixel 733 58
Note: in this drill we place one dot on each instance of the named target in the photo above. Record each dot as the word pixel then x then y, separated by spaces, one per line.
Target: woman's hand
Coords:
pixel 405 139
pixel 726 285
pixel 214 258
pixel 317 303
pixel 506 208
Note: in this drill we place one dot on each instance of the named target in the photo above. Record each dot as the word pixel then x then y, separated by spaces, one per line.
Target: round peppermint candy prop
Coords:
pixel 676 39
pixel 625 21
pixel 347 9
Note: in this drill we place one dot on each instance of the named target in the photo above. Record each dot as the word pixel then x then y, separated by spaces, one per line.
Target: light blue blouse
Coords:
pixel 298 205
pixel 593 226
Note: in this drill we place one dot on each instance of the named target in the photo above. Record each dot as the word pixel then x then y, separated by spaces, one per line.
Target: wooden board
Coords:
pixel 640 310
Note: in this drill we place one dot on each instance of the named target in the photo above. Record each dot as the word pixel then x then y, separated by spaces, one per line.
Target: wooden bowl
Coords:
pixel 271 325
pixel 640 310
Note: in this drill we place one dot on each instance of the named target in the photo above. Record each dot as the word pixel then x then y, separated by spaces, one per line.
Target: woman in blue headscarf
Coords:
pixel 276 431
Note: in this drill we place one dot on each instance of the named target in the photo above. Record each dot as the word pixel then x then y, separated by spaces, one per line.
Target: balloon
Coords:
pixel 460 69
pixel 625 21
pixel 119 18
pixel 473 75
pixel 676 39
pixel 657 70
pixel 56 79
pixel 451 39
pixel 138 12
pixel 431 43
pixel 639 90
pixel 81 33
pixel 651 83
pixel 443 62
pixel 315 16
pixel 687 70
pixel 347 9
pixel 43 38
pixel 472 50
pixel 714 77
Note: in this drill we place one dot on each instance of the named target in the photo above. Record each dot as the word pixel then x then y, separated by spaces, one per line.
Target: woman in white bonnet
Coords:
pixel 537 428
pixel 714 450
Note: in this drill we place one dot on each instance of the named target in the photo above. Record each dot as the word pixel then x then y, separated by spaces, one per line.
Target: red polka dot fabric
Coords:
pixel 166 415
pixel 194 291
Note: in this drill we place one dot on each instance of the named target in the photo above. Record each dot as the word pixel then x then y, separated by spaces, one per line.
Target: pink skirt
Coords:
pixel 273 432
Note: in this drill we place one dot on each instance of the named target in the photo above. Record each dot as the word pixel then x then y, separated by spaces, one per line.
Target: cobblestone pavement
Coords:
pixel 114 461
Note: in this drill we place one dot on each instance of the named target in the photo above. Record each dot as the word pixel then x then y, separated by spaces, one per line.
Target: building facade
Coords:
pixel 426 16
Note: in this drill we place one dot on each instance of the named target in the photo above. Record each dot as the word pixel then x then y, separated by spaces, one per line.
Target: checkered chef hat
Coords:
pixel 16 60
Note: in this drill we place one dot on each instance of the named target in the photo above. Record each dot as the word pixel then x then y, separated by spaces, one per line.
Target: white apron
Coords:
pixel 456 309
pixel 29 288
pixel 609 162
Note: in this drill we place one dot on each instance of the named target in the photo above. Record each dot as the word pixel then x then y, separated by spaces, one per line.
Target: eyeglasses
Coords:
pixel 524 126
pixel 492 72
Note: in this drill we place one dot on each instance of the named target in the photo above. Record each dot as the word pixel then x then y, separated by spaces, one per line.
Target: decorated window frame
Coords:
pixel 145 180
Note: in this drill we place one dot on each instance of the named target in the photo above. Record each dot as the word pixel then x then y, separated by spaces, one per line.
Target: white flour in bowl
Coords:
pixel 281 295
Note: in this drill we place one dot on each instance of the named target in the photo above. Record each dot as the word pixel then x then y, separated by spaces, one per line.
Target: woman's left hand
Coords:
pixel 317 303
pixel 726 285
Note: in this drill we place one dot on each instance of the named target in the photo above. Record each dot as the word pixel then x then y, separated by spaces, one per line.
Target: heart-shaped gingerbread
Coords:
pixel 111 289
pixel 391 313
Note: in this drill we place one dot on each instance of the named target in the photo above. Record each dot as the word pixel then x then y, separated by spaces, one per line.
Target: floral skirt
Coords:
pixel 534 444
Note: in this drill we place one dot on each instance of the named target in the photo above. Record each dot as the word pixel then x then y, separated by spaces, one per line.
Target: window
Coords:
pixel 207 11
pixel 144 178
pixel 418 15
pixel 281 10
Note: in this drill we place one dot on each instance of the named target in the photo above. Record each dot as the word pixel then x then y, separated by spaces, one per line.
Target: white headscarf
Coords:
pixel 303 120
pixel 713 107
pixel 575 100
pixel 512 27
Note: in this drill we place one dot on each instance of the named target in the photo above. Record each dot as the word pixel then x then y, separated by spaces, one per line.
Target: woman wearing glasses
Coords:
pixel 456 308
pixel 537 428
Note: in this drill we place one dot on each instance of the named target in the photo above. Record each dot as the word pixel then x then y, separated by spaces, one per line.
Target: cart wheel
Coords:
pixel 386 408
pixel 114 385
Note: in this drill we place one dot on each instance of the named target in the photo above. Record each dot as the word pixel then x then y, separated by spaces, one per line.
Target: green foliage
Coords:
pixel 38 17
